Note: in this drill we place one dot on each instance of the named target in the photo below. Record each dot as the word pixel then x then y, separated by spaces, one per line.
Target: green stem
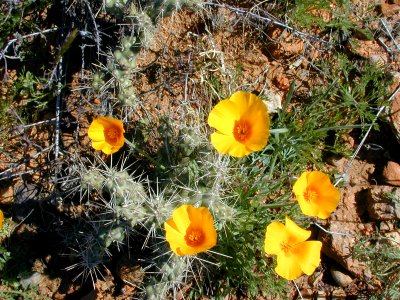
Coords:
pixel 279 130
pixel 145 154
pixel 271 170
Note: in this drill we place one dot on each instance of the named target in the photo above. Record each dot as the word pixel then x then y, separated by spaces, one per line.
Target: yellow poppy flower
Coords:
pixel 295 255
pixel 191 230
pixel 316 194
pixel 242 124
pixel 1 219
pixel 107 134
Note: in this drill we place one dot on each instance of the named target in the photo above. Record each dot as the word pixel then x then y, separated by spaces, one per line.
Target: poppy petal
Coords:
pixel 208 228
pixel 296 233
pixel 173 236
pixel 243 101
pixel 98 145
pixel 226 144
pixel 109 149
pixel 308 255
pixel 181 218
pixel 274 237
pixel 96 131
pixel 257 114
pixel 222 117
pixel 288 266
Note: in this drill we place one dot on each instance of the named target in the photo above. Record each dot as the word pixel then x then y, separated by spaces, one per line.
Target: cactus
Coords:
pixel 146 26
pixel 128 204
pixel 172 274
pixel 88 250
pixel 97 82
pixel 92 179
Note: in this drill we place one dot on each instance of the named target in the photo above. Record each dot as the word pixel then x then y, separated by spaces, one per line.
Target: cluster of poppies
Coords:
pixel 242 127
pixel 191 230
pixel 317 197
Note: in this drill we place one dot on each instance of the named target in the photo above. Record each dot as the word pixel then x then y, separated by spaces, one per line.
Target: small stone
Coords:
pixel 33 280
pixel 378 59
pixel 367 229
pixel 386 226
pixel 321 295
pixel 393 238
pixel 307 293
pixel 282 82
pixel 274 102
pixel 391 173
pixel 337 161
pixel 389 10
pixel 285 44
pixel 6 195
pixel 367 48
pixel 25 200
pixel 383 202
pixel 316 279
pixel 59 296
pixel 338 294
pixel 339 246
pixel 340 278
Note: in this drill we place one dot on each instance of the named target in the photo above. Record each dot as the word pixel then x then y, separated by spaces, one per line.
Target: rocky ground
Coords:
pixel 182 46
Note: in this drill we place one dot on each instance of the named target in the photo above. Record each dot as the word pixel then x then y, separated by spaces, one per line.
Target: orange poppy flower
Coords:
pixel 316 194
pixel 295 255
pixel 242 124
pixel 1 219
pixel 107 134
pixel 191 230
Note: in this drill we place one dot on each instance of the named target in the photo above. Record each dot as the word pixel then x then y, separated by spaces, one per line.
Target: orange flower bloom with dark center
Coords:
pixel 295 255
pixel 316 194
pixel 242 124
pixel 191 230
pixel 107 134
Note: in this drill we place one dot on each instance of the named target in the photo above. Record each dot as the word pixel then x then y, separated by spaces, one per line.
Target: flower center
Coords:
pixel 285 247
pixel 111 133
pixel 241 130
pixel 310 195
pixel 194 237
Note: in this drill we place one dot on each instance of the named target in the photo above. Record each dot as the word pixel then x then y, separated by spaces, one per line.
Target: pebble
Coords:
pixel 33 280
pixel 340 278
pixel 393 238
pixel 381 203
pixel 386 226
pixel 389 10
pixel 391 173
